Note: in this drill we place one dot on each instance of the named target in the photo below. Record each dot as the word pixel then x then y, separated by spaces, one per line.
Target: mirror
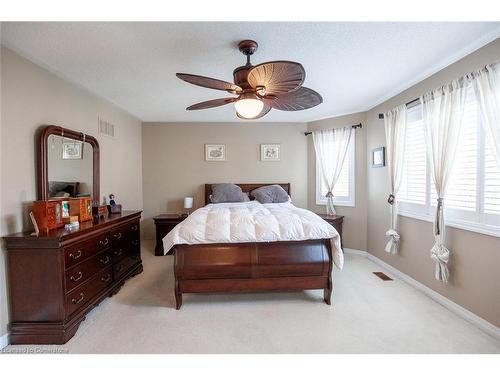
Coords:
pixel 68 164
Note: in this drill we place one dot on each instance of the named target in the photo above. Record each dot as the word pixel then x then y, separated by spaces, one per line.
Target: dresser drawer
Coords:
pixel 125 232
pixel 78 274
pixel 124 266
pixel 80 251
pixel 84 293
pixel 119 252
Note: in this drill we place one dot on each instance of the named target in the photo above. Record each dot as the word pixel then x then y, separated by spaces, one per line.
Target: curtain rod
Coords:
pixel 353 126
pixel 381 115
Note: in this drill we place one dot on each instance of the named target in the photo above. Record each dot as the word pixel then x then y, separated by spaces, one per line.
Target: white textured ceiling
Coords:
pixel 354 66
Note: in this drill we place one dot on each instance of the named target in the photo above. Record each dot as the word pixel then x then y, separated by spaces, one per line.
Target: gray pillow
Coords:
pixel 227 193
pixel 270 194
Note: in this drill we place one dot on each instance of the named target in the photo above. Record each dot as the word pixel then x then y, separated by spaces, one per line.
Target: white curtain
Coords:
pixel 487 87
pixel 331 149
pixel 395 136
pixel 442 111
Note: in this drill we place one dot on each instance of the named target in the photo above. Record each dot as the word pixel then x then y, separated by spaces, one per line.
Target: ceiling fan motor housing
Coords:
pixel 240 74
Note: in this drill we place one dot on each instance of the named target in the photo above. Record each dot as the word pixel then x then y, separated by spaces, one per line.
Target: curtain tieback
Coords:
pixel 438 215
pixel 395 237
pixel 392 245
pixel 329 194
pixel 391 199
pixel 441 255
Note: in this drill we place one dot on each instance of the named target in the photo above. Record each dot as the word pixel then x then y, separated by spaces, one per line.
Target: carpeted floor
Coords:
pixel 368 315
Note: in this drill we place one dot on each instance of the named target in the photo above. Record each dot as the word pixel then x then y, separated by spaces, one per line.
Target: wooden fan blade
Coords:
pixel 210 83
pixel 278 77
pixel 211 103
pixel 262 113
pixel 302 98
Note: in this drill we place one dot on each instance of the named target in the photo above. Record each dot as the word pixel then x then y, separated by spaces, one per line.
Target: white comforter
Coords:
pixel 253 222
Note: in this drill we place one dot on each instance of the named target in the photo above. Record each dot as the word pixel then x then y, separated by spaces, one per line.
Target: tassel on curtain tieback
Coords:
pixel 391 199
pixel 330 209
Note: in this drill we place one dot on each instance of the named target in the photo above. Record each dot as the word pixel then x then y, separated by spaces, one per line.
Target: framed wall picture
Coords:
pixel 378 157
pixel 215 152
pixel 270 152
pixel 72 150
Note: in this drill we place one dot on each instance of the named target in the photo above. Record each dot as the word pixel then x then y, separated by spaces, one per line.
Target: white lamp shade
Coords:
pixel 188 202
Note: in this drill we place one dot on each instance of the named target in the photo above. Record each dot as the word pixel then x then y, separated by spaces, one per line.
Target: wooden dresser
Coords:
pixel 55 279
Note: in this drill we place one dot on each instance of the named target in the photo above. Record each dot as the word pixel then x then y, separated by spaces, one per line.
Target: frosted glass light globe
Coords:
pixel 249 108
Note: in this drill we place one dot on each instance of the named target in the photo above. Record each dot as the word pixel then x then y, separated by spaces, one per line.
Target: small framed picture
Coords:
pixel 270 152
pixel 378 157
pixel 65 208
pixel 215 152
pixel 72 150
pixel 35 225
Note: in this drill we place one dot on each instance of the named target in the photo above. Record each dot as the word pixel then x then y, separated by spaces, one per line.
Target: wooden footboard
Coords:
pixel 253 267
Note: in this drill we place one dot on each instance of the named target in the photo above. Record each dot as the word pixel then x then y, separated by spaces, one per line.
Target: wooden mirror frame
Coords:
pixel 42 164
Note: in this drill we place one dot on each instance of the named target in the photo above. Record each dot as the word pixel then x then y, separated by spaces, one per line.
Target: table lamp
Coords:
pixel 188 204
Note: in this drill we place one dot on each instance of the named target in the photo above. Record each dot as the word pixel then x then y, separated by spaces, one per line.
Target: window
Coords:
pixel 472 201
pixel 344 191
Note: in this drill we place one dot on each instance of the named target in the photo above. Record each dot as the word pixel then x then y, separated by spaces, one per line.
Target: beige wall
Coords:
pixel 475 258
pixel 174 163
pixel 31 97
pixel 354 226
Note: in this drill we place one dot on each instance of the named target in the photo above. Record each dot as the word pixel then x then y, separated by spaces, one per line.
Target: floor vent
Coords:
pixel 106 128
pixel 383 276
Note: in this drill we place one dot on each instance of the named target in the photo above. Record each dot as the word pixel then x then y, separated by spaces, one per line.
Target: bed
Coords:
pixel 268 264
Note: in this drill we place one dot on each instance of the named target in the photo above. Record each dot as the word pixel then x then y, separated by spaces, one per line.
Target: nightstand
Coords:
pixel 165 223
pixel 335 221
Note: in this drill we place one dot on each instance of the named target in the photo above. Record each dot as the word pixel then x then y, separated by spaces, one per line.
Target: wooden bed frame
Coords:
pixel 254 266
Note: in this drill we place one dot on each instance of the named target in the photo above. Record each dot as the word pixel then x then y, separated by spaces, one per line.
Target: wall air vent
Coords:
pixel 106 128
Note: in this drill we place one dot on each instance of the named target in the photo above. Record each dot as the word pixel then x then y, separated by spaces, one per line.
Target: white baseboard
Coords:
pixel 4 341
pixel 355 252
pixel 469 316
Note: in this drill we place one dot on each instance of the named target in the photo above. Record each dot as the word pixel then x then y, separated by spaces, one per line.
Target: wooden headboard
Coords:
pixel 247 188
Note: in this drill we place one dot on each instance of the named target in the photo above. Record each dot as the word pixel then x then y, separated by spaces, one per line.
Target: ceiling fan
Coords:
pixel 274 84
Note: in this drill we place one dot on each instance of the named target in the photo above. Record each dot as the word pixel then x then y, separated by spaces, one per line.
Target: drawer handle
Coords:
pixel 105 260
pixel 118 252
pixel 106 278
pixel 105 242
pixel 77 301
pixel 135 242
pixel 118 235
pixel 119 268
pixel 134 228
pixel 76 255
pixel 76 277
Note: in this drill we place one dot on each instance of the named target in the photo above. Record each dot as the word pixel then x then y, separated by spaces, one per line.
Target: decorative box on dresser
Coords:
pixel 57 277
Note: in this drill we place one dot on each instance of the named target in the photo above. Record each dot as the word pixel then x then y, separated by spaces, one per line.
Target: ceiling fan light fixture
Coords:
pixel 260 88
pixel 249 107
